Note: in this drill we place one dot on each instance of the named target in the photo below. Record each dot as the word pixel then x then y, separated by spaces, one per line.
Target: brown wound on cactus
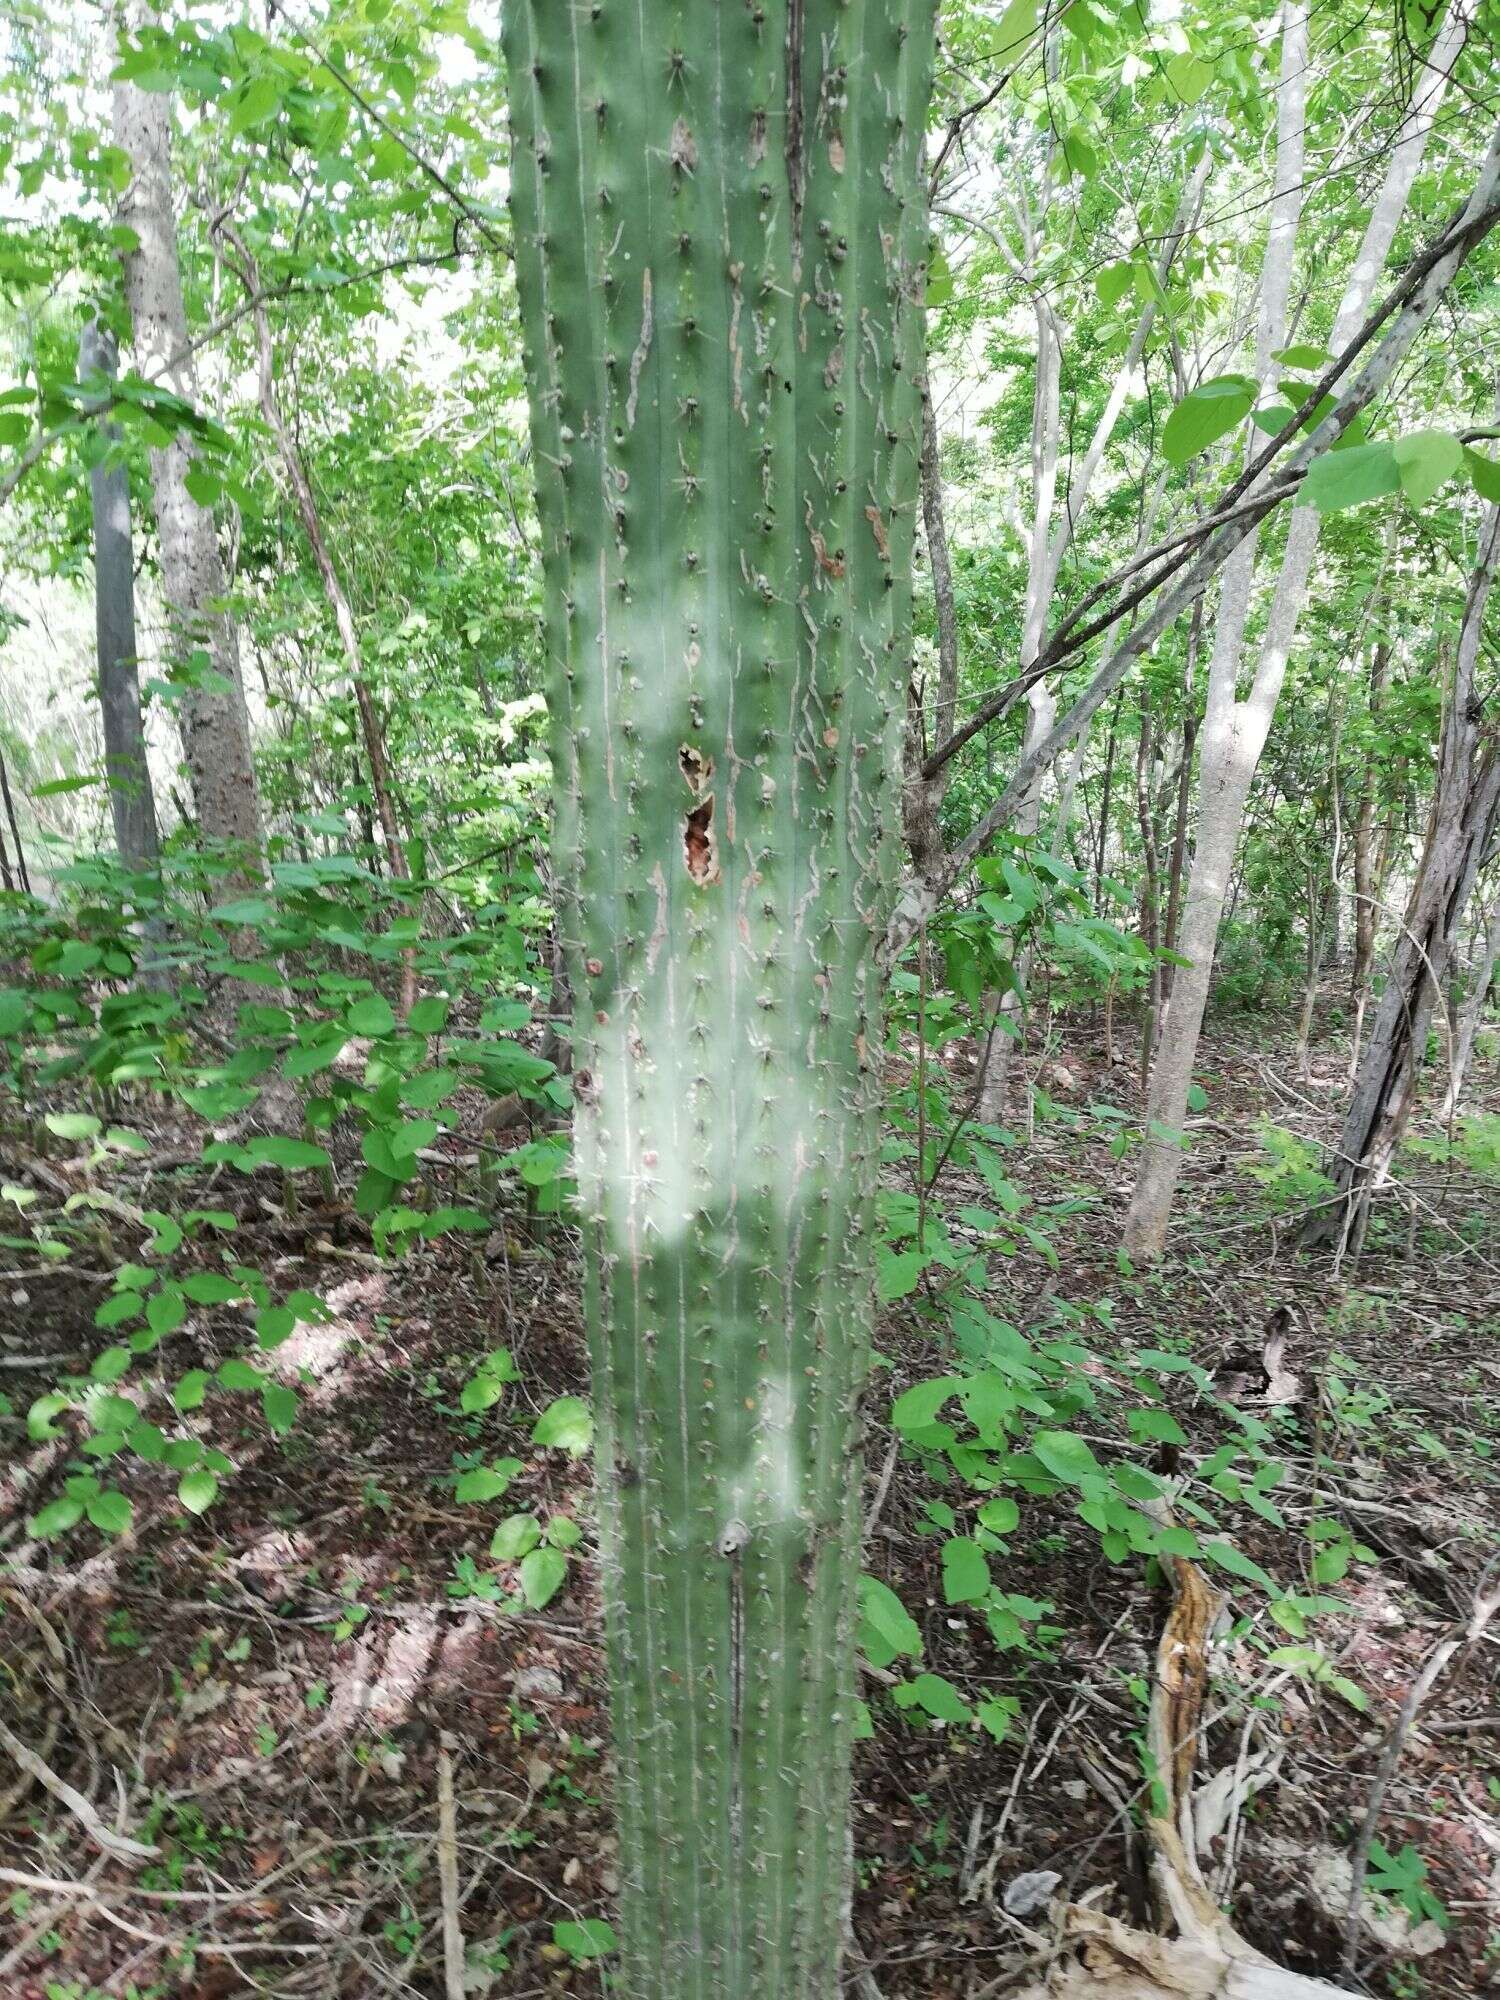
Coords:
pixel 698 843
pixel 698 833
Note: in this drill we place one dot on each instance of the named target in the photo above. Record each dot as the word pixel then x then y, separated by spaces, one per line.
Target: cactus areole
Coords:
pixel 720 234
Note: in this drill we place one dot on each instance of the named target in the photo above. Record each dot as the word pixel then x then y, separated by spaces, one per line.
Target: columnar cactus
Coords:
pixel 720 232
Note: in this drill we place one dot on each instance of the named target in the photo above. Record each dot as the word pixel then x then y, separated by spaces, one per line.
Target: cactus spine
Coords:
pixel 720 233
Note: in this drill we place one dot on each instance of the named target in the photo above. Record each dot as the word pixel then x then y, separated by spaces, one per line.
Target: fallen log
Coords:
pixel 1096 1957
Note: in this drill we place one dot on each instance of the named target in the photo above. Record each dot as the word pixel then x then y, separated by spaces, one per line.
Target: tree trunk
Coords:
pixel 1145 806
pixel 338 598
pixel 1176 869
pixel 1465 815
pixel 923 797
pixel 1471 1013
pixel 131 803
pixel 1235 729
pixel 720 233
pixel 214 720
pixel 1366 892
pixel 15 831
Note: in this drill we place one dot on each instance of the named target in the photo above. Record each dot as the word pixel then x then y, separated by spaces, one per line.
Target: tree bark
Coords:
pixel 1234 729
pixel 720 236
pixel 1461 829
pixel 131 802
pixel 214 720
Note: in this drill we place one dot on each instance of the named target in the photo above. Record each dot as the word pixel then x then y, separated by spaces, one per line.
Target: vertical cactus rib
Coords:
pixel 720 236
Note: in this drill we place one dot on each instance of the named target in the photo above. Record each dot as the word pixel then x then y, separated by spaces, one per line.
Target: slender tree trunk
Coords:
pixel 1176 869
pixel 131 803
pixel 214 720
pixel 923 797
pixel 1145 806
pixel 15 831
pixel 1462 826
pixel 1235 729
pixel 1471 1012
pixel 1366 889
pixel 338 598
pixel 720 237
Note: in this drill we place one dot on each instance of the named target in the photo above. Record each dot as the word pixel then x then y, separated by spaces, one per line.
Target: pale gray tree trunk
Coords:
pixel 1047 546
pixel 132 806
pixel 1235 728
pixel 214 721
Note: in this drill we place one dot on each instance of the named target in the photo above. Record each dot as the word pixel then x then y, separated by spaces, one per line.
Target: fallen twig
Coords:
pixel 1483 1609
pixel 447 1860
pixel 117 1843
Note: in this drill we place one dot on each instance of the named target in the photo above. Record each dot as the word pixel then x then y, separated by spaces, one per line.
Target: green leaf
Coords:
pixel 939 1698
pixel 1190 76
pixel 482 1483
pixel 309 1057
pixel 191 1389
pixel 57 1517
pixel 1427 460
pixel 516 1536
pixel 897 1272
pixel 116 1310
pixel 72 1124
pixel 280 1405
pixel 480 1392
pixel 196 1489
pixel 236 1373
pixel 1156 1424
pixel 1349 478
pixel 888 1628
pixel 39 1424
pixel 110 1512
pixel 997 1716
pixel 13 1010
pixel 211 1288
pixel 1303 357
pixel 966 1574
pixel 592 1938
pixel 111 1364
pixel 1484 474
pixel 566 1424
pixel 1015 29
pixel 1000 1515
pixel 1115 281
pixel 203 485
pixel 372 1016
pixel 1203 416
pixel 428 1017
pixel 1230 1558
pixel 917 1407
pixel 542 1573
pixel 1066 1457
pixel 270 1149
pixel 273 1326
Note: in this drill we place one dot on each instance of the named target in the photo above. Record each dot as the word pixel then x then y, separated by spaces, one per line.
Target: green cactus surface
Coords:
pixel 720 235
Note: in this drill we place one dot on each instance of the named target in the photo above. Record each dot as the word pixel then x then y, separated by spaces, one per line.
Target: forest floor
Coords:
pixel 275 1695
